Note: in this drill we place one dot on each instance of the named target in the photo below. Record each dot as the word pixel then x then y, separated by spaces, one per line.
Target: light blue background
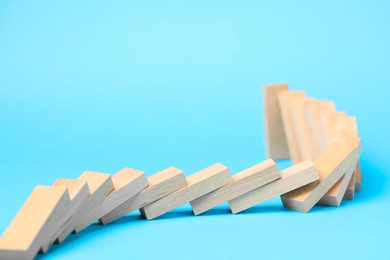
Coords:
pixel 100 85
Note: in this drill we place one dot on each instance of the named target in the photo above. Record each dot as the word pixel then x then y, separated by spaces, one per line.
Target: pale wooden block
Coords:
pixel 243 182
pixel 331 166
pixel 350 193
pixel 325 108
pixel 292 178
pixel 127 183
pixel 79 193
pixel 31 226
pixel 199 184
pixel 276 142
pixel 301 128
pixel 311 112
pixel 340 129
pixel 285 99
pixel 99 185
pixel 161 184
pixel 359 177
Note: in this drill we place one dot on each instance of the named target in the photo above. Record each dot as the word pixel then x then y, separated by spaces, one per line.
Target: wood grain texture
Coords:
pixel 292 178
pixel 31 226
pixel 243 182
pixel 127 183
pixel 331 166
pixel 276 142
pixel 99 185
pixel 199 184
pixel 79 193
pixel 161 184
pixel 285 99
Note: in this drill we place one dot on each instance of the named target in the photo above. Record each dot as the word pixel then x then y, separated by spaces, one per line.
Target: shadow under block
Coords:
pixel 276 142
pixel 99 185
pixel 31 226
pixel 331 166
pixel 127 183
pixel 285 99
pixel 79 193
pixel 243 182
pixel 161 184
pixel 199 184
pixel 292 178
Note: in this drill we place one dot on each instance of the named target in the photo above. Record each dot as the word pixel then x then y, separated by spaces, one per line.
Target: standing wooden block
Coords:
pixel 276 142
pixel 30 228
pixel 331 166
pixel 161 184
pixel 292 178
pixel 99 185
pixel 79 193
pixel 243 182
pixel 199 184
pixel 350 193
pixel 285 99
pixel 127 183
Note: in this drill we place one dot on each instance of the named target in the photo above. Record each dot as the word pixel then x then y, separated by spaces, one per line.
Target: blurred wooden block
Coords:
pixel 285 99
pixel 31 226
pixel 312 115
pixel 350 193
pixel 243 182
pixel 359 177
pixel 161 184
pixel 331 166
pixel 199 184
pixel 79 193
pixel 276 142
pixel 127 183
pixel 292 178
pixel 99 185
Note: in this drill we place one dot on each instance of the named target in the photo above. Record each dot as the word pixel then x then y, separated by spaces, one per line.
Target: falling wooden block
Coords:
pixel 359 177
pixel 292 178
pixel 31 226
pixel 350 193
pixel 199 184
pixel 285 99
pixel 99 185
pixel 127 183
pixel 243 182
pixel 276 142
pixel 79 193
pixel 161 184
pixel 331 166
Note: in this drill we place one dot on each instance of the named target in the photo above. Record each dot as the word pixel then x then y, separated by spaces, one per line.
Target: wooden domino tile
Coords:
pixel 161 184
pixel 292 178
pixel 199 184
pixel 243 182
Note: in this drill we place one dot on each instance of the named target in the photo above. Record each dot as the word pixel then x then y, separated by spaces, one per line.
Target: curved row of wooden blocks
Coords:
pixel 322 143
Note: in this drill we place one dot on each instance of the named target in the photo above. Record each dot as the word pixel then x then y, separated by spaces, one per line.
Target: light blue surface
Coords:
pixel 100 85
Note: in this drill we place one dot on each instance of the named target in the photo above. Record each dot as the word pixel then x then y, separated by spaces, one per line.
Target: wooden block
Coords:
pixel 285 99
pixel 292 178
pixel 331 166
pixel 311 112
pixel 79 193
pixel 301 128
pixel 359 177
pixel 99 185
pixel 161 184
pixel 350 193
pixel 243 182
pixel 276 142
pixel 340 128
pixel 199 184
pixel 30 228
pixel 127 183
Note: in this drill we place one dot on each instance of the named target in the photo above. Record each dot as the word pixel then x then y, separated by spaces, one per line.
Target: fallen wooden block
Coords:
pixel 161 184
pixel 99 185
pixel 199 184
pixel 292 178
pixel 79 193
pixel 285 99
pixel 31 226
pixel 331 166
pixel 127 183
pixel 276 142
pixel 243 182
